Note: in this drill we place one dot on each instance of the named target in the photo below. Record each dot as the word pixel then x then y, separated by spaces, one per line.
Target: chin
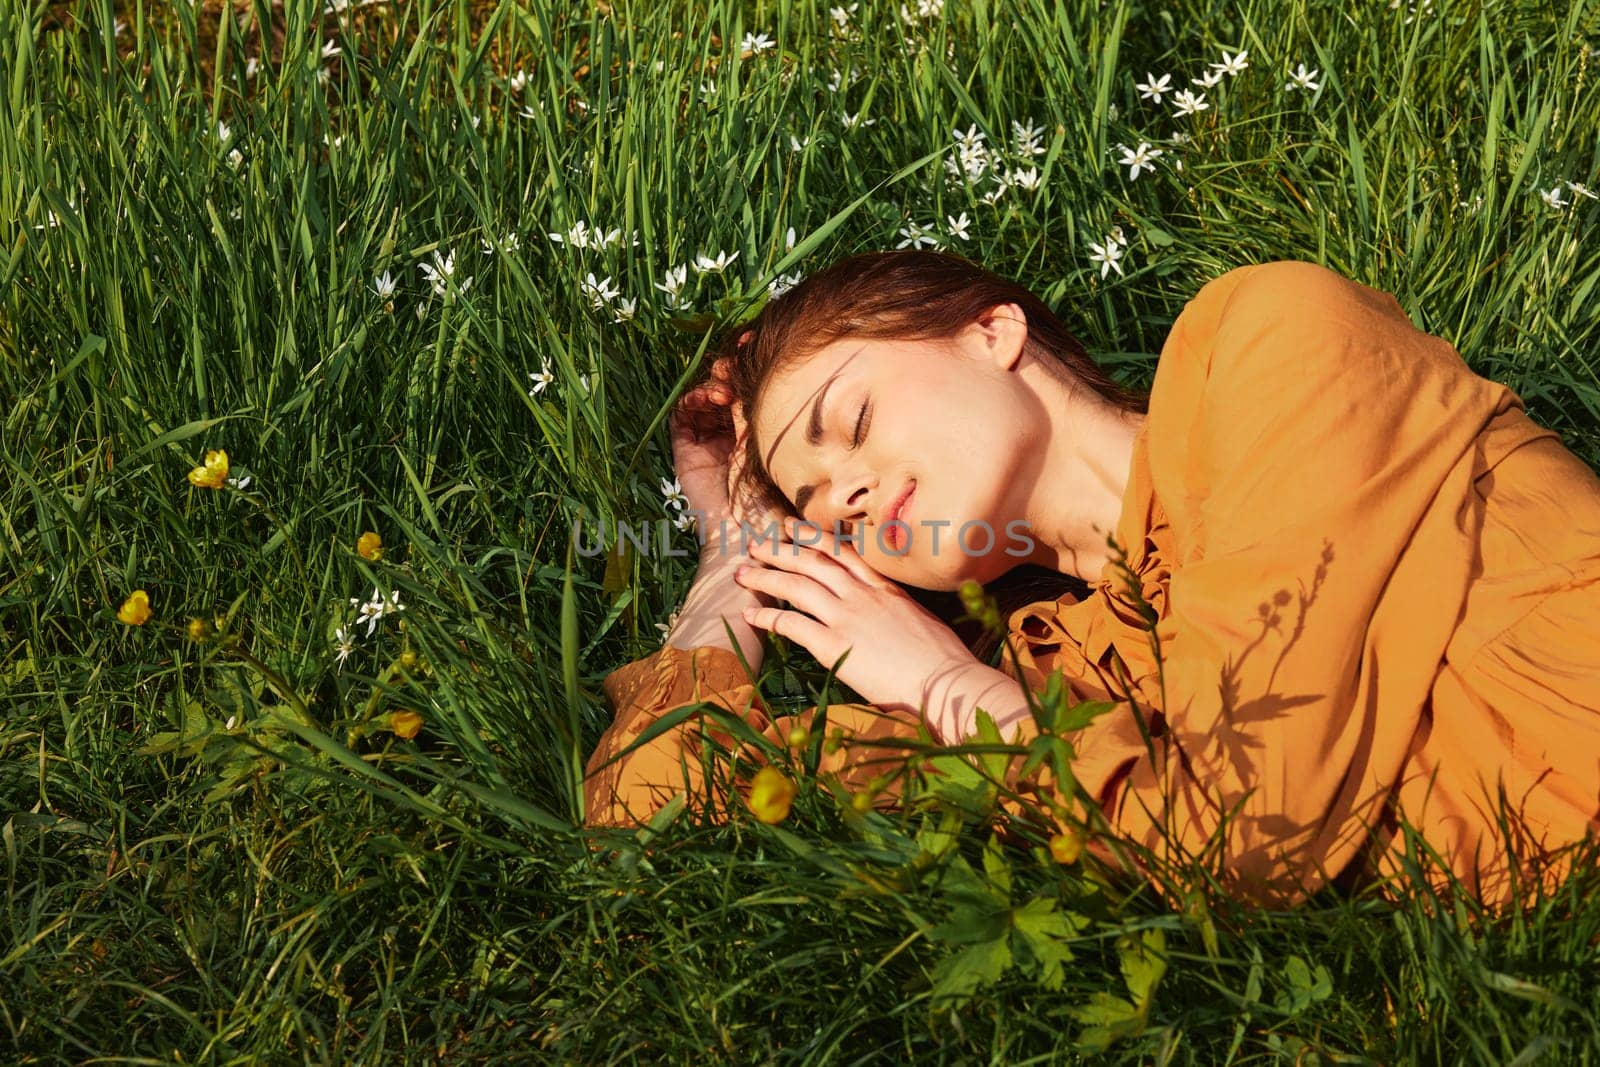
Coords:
pixel 947 571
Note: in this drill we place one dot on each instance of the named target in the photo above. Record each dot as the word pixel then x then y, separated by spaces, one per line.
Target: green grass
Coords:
pixel 306 887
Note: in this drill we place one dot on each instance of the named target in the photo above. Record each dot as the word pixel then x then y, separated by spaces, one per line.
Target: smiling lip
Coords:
pixel 896 508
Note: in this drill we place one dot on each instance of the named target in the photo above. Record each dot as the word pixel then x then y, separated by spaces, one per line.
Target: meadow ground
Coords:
pixel 433 270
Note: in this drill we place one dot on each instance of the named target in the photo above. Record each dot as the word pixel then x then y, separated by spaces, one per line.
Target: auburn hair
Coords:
pixel 907 295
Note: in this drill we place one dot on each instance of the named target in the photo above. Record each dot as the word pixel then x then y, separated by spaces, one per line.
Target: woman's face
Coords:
pixel 943 435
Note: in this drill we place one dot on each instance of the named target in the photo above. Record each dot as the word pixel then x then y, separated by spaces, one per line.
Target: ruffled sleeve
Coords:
pixel 1313 450
pixel 624 788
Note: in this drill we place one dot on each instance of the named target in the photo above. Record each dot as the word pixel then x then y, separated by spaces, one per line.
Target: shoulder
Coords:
pixel 1294 297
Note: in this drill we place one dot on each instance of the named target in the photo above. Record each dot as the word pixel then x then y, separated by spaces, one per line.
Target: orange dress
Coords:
pixel 1378 591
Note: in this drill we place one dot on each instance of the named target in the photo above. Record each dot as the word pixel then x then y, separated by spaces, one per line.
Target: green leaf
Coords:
pixel 1043 932
pixel 1107 1018
pixel 1082 714
pixel 971 969
pixel 996 867
pixel 1307 985
pixel 1144 961
pixel 994 763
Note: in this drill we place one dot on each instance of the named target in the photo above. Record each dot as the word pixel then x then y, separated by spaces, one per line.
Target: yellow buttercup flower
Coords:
pixel 214 473
pixel 1067 847
pixel 798 736
pixel 135 611
pixel 771 793
pixel 369 546
pixel 199 629
pixel 405 724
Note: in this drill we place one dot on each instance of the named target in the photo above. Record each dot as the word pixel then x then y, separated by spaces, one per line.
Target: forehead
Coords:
pixel 784 409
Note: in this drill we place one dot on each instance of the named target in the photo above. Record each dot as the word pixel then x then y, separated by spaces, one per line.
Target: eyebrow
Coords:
pixel 813 437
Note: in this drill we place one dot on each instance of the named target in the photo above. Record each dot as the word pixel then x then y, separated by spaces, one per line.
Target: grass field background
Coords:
pixel 415 268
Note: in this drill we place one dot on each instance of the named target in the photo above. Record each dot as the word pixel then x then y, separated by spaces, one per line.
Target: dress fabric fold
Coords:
pixel 1376 586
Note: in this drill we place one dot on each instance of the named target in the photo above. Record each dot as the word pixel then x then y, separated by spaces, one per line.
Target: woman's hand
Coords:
pixel 901 656
pixel 708 449
pixel 704 439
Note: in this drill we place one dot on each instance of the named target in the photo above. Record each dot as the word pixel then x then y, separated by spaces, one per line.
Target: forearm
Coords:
pixel 714 599
pixel 951 700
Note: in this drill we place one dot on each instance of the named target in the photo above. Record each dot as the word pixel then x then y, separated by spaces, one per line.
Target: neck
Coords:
pixel 1077 500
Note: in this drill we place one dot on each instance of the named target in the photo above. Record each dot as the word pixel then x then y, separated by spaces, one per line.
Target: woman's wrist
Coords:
pixel 725 539
pixel 714 606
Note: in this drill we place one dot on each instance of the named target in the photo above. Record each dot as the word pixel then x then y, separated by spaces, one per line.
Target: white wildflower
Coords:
pixel 1232 65
pixel 783 283
pixel 1025 179
pixel 674 494
pixel 756 44
pixel 383 285
pixel 1152 87
pixel 665 628
pixel 1582 190
pixel 915 235
pixel 344 645
pixel 1553 197
pixel 1302 79
pixel 841 15
pixel 706 265
pixel 600 293
pixel 519 80
pixel 1189 102
pixel 958 226
pixel 1208 79
pixel 676 278
pixel 509 243
pixel 577 237
pixel 441 275
pixel 330 49
pixel 1107 255
pixel 1026 140
pixel 238 482
pixel 542 380
pixel 1141 158
pixel 626 308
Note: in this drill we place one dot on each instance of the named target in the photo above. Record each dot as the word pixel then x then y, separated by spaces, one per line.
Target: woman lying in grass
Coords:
pixel 1376 580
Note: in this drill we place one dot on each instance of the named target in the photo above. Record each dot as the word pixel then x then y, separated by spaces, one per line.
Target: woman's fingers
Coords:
pixel 840 552
pixel 803 591
pixel 804 631
pixel 831 564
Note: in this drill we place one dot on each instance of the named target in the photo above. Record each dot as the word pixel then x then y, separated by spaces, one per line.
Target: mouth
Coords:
pixel 896 510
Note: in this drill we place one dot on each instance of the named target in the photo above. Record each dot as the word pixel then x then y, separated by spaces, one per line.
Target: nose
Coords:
pixel 852 494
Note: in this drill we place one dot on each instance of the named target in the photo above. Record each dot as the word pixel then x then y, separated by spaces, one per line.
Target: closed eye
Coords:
pixel 861 424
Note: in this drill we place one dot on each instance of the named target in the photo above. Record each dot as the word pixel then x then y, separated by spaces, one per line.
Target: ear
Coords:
pixel 998 335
